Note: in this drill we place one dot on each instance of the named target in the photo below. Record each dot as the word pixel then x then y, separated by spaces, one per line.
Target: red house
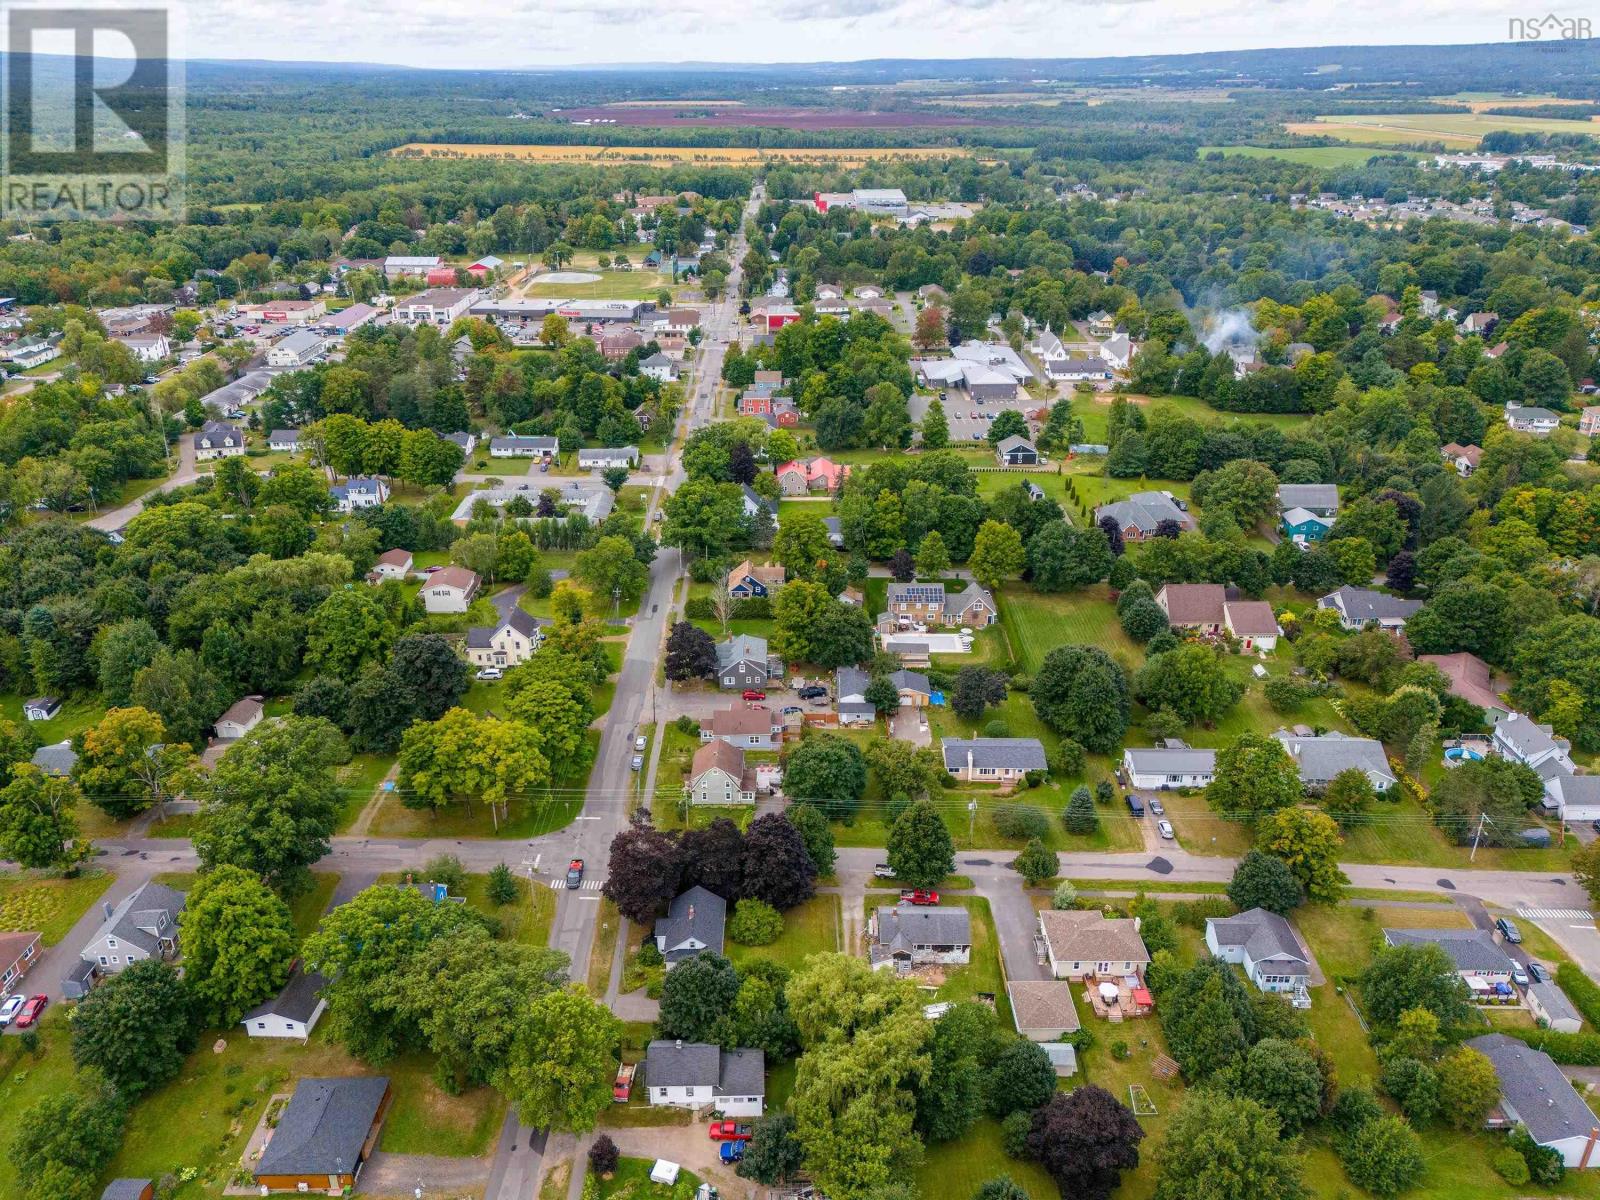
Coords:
pixel 777 316
pixel 755 404
pixel 441 275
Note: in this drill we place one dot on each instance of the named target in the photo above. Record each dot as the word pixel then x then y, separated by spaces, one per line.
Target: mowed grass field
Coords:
pixel 1460 131
pixel 710 155
pixel 1310 156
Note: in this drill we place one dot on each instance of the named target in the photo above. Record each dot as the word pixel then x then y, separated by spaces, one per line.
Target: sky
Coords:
pixel 532 33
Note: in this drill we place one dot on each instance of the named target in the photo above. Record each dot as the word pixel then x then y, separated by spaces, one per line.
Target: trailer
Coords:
pixel 623 1087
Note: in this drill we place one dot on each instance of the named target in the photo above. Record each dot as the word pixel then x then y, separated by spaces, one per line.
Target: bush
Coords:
pixel 1582 991
pixel 649 954
pixel 1286 695
pixel 1353 1109
pixel 1192 914
pixel 1414 1087
pixel 1065 896
pixel 1544 1162
pixel 1568 1049
pixel 755 923
pixel 603 1155
pixel 687 724
pixel 997 729
pixel 1510 1166
pixel 446 869
pixel 1069 758
pixel 1120 1051
pixel 1020 821
pixel 1014 1133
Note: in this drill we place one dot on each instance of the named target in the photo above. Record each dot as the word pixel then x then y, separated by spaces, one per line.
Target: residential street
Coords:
pixel 187 472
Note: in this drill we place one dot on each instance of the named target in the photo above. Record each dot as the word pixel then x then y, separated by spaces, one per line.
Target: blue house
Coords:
pixel 1303 525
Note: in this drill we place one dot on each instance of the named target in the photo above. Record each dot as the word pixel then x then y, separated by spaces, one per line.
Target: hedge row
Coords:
pixel 701 608
pixel 1582 991
pixel 1568 1049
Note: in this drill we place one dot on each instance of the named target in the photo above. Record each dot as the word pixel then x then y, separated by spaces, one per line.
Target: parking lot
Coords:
pixel 969 419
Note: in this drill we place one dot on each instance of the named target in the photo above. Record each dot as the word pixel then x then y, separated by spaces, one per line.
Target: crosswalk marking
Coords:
pixel 589 885
pixel 1556 914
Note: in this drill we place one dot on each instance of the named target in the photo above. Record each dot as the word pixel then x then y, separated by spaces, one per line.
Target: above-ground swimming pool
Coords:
pixel 1463 754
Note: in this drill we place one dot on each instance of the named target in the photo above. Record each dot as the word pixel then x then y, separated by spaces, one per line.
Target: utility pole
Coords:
pixel 1482 818
pixel 972 821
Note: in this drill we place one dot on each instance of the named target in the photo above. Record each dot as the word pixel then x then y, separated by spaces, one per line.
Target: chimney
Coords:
pixel 691 912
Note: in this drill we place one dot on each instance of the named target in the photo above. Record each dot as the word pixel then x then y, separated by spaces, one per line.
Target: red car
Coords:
pixel 919 896
pixel 753 694
pixel 731 1131
pixel 30 1011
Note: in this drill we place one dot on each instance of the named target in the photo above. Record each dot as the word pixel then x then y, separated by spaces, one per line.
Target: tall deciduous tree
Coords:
pixel 562 1063
pixel 1227 1148
pixel 136 1027
pixel 997 554
pixel 1254 777
pixel 777 866
pixel 1080 691
pixel 1265 881
pixel 697 994
pixel 429 668
pixel 1308 840
pixel 921 851
pixel 1085 1138
pixel 691 653
pixel 38 825
pixel 643 872
pixel 238 940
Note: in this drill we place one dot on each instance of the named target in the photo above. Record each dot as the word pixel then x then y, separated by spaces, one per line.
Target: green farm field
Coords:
pixel 1457 131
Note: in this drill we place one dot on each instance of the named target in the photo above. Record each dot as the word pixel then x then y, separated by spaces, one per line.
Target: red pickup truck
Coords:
pixel 919 896
pixel 623 1087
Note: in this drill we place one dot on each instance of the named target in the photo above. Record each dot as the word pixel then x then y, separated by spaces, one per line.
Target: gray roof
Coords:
pixel 755 500
pixel 742 647
pixel 901 927
pixel 56 759
pixel 1535 1089
pixel 125 1189
pixel 1534 413
pixel 914 681
pixel 298 1000
pixel 135 918
pixel 1527 737
pixel 1321 758
pixel 1554 1001
pixel 607 453
pixel 284 435
pixel 322 1129
pixel 856 708
pixel 850 681
pixel 1365 604
pixel 1023 753
pixel 696 913
pixel 1264 935
pixel 963 599
pixel 1144 511
pixel 300 341
pixel 1469 949
pixel 1015 441
pixel 1308 495
pixel 697 1064
pixel 1184 760
pixel 479 636
pixel 525 441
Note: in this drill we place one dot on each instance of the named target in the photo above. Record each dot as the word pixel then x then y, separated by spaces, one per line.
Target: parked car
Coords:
pixel 1509 930
pixel 490 673
pixel 622 1088
pixel 791 710
pixel 812 692
pixel 10 1007
pixel 1537 973
pixel 638 762
pixel 730 1152
pixel 919 896
pixel 883 871
pixel 1165 829
pixel 640 742
pixel 1519 974
pixel 1135 805
pixel 575 872
pixel 1157 807
pixel 731 1131
pixel 31 1011
pixel 754 694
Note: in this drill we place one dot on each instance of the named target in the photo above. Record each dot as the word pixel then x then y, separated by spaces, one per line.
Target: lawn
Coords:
pixel 810 928
pixel 631 1181
pixel 77 714
pixel 1098 1066
pixel 358 780
pixel 955 1170
pixel 526 817
pixel 34 901
pixel 1038 622
pixel 305 910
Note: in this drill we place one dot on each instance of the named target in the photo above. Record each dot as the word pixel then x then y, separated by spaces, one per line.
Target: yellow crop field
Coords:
pixel 716 156
pixel 1457 131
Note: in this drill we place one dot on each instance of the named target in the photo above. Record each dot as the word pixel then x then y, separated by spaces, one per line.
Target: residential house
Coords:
pixel 697 1075
pixel 742 662
pixel 799 478
pixel 754 502
pixel 1252 622
pixel 392 564
pixel 359 491
pixel 600 460
pixel 510 643
pixel 827 291
pixel 850 697
pixel 218 440
pixel 1589 420
pixel 297 350
pixel 241 717
pixel 1043 1009
pixel 1473 951
pixel 1101 324
pixel 679 321
pixel 1464 459
pixel 1549 1004
pixel 284 441
pixel 992 759
pixel 449 590
pixel 1359 607
pixel 151 347
pixel 616 345
pixel 1533 419
pixel 144 925
pixel 914 689
pixel 1090 945
pixel 324 1135
pixel 43 708
pixel 904 936
pixel 746 726
pixel 917 603
pixel 1078 369
pixel 57 759
pixel 868 292
pixel 418 265
pixel 1047 347
pixel 436 306
pixel 467 440
pixel 748 580
pixel 1319 498
pixel 293 1012
pixel 18 952
pixel 1265 945
pixel 718 775
pixel 1016 451
pixel 1302 525
pixel 1140 516
pixel 693 925
pixel 1197 606
pixel 1170 766
pixel 524 446
pixel 1118 350
pixel 932 293
pixel 973 606
pixel 1320 758
pixel 659 367
pixel 1522 739
pixel 1536 1094
pixel 1479 322
pixel 33 354
pixel 1472 680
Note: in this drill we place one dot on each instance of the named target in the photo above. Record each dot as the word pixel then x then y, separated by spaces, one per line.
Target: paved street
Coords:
pixel 187 472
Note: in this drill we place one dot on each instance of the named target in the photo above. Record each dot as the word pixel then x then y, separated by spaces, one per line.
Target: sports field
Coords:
pixel 717 156
pixel 1458 131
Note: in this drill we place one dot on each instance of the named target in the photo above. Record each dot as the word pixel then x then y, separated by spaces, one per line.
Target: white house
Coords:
pixel 903 936
pixel 694 924
pixel 392 564
pixel 1473 952
pixel 242 716
pixel 1118 350
pixel 1522 739
pixel 218 440
pixel 449 590
pixel 359 491
pixel 507 644
pixel 1535 1093
pixel 293 1012
pixel 522 446
pixel 700 1076
pixel 659 367
pixel 1160 767
pixel 600 460
pixel 1264 944
pixel 34 354
pixel 148 347
pixel 299 348
pixel 1084 945
pixel 285 441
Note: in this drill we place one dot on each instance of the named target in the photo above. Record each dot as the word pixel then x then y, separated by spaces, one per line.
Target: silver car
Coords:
pixel 1165 829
